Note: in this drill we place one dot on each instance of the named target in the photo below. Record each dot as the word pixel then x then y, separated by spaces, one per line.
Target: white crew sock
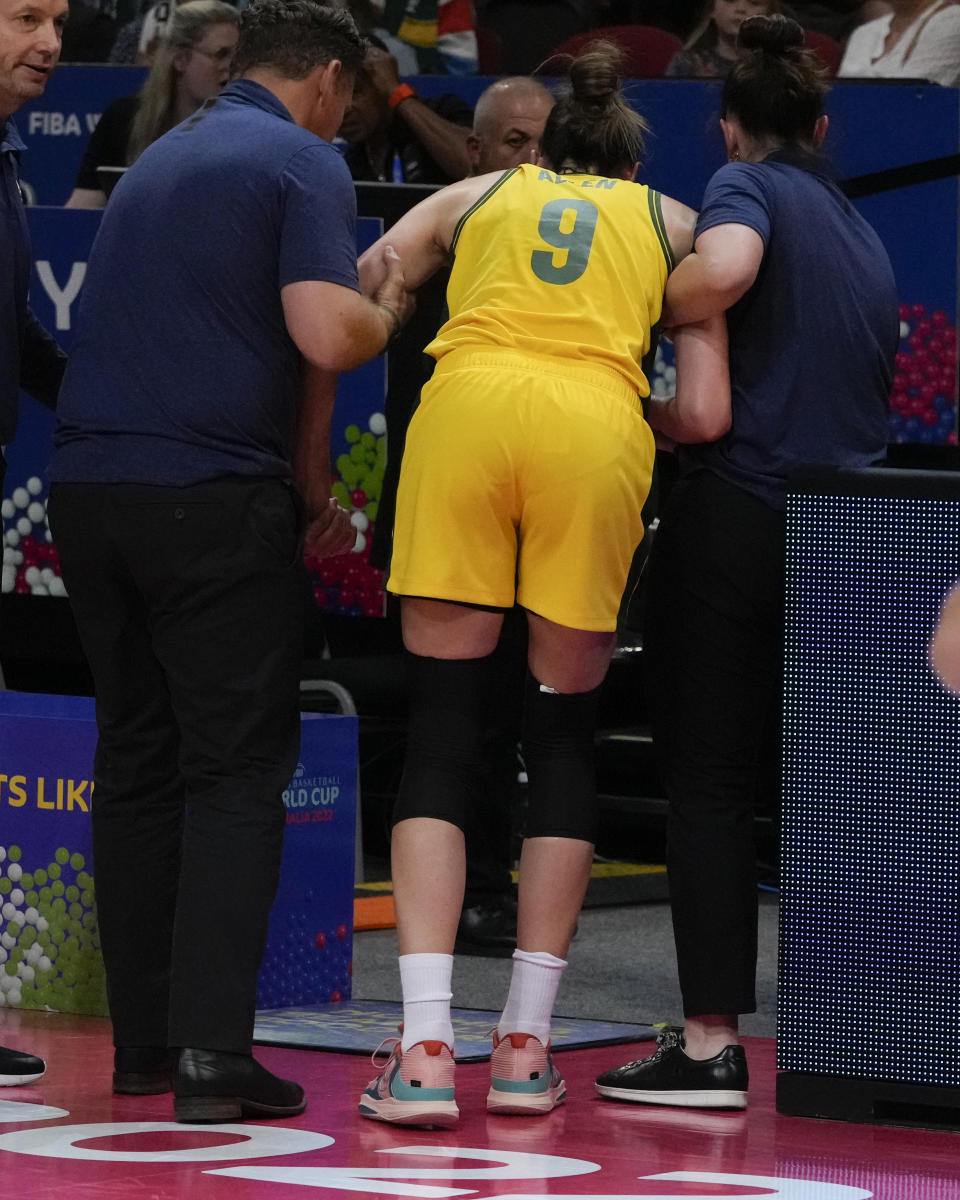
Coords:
pixel 425 983
pixel 533 989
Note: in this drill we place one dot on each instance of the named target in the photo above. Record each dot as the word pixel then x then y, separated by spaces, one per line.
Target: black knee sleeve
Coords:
pixel 558 734
pixel 444 768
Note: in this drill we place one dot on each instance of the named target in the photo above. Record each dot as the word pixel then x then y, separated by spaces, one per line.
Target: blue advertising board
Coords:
pixel 57 125
pixel 49 941
pixel 62 239
pixel 309 952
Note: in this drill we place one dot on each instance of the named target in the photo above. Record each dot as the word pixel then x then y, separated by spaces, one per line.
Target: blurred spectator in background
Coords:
pixel 678 17
pixel 393 135
pixel 835 18
pixel 526 32
pixel 137 40
pixel 507 123
pixel 917 39
pixel 126 44
pixel 191 65
pixel 156 22
pixel 89 34
pixel 369 20
pixel 130 36
pixel 440 32
pixel 711 49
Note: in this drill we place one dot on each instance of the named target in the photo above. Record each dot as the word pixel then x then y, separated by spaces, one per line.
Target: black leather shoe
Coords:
pixel 17 1069
pixel 487 931
pixel 142 1070
pixel 669 1076
pixel 212 1085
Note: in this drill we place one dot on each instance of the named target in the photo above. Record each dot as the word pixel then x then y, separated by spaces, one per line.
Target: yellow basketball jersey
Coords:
pixel 564 265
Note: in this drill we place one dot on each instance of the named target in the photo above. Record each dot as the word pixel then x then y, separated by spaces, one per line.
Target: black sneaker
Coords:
pixel 17 1069
pixel 669 1076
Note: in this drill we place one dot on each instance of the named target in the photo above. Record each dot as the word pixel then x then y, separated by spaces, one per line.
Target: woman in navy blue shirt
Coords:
pixel 813 326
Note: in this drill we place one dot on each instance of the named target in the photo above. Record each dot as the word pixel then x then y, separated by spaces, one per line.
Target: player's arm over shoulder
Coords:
pixel 680 223
pixel 423 236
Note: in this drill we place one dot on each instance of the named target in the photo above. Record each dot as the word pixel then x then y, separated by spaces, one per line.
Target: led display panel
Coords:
pixel 869 983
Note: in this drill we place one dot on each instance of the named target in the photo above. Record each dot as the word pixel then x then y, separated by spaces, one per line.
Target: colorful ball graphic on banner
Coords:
pixel 347 584
pixel 49 942
pixel 923 406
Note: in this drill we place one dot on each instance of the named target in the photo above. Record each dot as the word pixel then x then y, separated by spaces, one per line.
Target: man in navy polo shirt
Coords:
pixel 220 301
pixel 30 36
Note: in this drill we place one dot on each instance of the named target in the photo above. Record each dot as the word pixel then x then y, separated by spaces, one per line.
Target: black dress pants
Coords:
pixel 713 651
pixel 190 610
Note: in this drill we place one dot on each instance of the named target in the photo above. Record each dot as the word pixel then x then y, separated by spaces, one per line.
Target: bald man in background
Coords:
pixel 507 123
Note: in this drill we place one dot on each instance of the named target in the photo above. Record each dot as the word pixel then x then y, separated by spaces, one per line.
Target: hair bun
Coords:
pixel 595 74
pixel 773 34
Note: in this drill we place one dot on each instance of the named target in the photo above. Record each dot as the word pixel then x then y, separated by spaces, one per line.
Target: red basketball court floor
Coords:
pixel 68 1136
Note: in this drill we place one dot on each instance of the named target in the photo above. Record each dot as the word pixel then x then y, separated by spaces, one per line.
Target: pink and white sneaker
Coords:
pixel 523 1079
pixel 415 1087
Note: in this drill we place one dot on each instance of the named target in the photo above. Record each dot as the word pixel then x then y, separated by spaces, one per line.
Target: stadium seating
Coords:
pixel 648 50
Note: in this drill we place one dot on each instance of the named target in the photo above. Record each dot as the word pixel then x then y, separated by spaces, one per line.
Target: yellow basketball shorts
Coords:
pixel 522 479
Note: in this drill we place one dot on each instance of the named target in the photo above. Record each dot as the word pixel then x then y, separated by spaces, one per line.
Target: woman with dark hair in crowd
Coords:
pixel 915 39
pixel 711 50
pixel 191 65
pixel 813 327
pixel 556 287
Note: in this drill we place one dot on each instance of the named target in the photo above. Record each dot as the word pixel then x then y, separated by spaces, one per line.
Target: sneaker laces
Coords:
pixel 375 1060
pixel 669 1039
